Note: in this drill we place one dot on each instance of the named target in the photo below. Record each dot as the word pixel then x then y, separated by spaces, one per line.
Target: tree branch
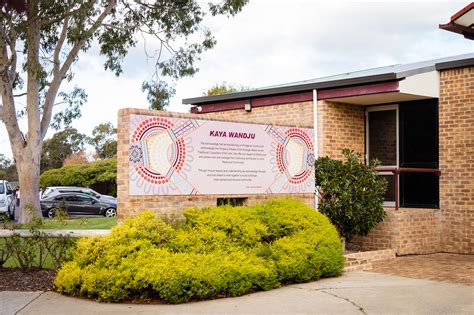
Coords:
pixel 13 58
pixel 68 13
pixel 8 112
pixel 61 74
pixel 59 46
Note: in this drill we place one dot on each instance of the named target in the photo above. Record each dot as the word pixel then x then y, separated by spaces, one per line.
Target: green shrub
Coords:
pixel 351 194
pixel 37 251
pixel 219 251
pixel 100 175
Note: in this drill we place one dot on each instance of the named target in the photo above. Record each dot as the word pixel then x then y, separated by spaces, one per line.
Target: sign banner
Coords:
pixel 178 156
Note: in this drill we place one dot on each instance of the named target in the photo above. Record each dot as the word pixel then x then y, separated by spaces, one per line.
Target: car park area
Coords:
pixel 77 203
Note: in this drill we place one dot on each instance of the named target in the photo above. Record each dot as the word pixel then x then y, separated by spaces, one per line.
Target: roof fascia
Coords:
pixel 291 89
pixel 409 73
pixel 455 64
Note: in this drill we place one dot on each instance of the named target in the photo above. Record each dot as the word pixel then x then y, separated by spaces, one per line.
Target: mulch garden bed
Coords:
pixel 16 279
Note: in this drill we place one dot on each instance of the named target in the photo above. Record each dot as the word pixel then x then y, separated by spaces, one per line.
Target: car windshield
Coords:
pixel 47 191
pixel 2 188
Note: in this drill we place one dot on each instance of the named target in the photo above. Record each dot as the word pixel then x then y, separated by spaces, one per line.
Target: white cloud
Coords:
pixel 274 42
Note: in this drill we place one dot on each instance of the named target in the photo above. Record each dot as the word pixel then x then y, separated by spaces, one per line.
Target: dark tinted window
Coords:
pixel 83 199
pixel 419 190
pixel 390 192
pixel 419 134
pixel 419 149
pixel 2 188
pixel 383 136
pixel 76 198
pixel 72 198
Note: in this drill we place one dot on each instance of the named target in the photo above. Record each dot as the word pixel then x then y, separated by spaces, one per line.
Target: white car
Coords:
pixel 6 199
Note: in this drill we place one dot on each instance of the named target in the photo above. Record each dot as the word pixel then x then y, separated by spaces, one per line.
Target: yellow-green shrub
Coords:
pixel 220 251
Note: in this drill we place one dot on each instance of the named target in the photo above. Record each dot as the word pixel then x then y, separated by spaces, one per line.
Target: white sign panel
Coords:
pixel 177 156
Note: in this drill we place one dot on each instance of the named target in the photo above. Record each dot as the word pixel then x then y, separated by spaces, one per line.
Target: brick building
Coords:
pixel 418 119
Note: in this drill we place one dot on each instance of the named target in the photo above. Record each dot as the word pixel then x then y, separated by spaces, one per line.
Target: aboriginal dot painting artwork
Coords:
pixel 179 156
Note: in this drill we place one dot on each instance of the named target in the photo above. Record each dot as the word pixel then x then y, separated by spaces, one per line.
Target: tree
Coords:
pixel 40 41
pixel 99 175
pixel 224 88
pixel 76 158
pixel 61 145
pixel 104 140
pixel 351 193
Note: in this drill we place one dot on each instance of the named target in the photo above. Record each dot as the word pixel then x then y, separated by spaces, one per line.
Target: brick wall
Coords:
pixel 294 114
pixel 407 230
pixel 364 260
pixel 456 147
pixel 340 126
pixel 172 205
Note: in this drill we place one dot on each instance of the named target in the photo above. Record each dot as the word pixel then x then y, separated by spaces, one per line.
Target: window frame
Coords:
pixel 381 108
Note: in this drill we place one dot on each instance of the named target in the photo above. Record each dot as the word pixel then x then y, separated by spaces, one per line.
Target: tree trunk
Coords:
pixel 28 167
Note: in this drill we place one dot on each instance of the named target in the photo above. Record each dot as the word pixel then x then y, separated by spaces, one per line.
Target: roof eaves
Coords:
pixel 292 89
pixel 455 64
pixel 408 73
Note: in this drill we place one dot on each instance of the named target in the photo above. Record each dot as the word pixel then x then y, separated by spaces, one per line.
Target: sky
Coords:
pixel 274 42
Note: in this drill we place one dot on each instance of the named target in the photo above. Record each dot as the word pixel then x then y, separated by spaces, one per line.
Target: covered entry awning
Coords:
pixel 462 22
pixel 416 87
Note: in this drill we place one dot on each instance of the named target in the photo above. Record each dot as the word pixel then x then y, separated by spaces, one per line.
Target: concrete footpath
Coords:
pixel 353 293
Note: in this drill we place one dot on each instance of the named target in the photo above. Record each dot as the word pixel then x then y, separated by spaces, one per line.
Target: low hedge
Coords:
pixel 219 251
pixel 100 175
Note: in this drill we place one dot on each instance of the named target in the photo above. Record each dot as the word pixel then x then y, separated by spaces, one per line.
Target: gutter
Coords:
pixel 290 89
pixel 455 64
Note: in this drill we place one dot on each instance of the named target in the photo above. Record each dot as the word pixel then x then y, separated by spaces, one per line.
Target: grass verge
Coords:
pixel 74 224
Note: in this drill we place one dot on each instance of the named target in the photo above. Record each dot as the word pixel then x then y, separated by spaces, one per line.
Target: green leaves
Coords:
pixel 351 194
pixel 101 173
pixel 104 140
pixel 158 94
pixel 73 101
pixel 61 145
pixel 219 251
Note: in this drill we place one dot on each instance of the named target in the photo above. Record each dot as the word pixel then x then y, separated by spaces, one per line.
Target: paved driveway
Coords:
pixel 453 268
pixel 352 293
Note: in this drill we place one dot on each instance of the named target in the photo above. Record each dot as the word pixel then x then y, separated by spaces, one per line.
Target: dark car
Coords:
pixel 78 204
pixel 55 190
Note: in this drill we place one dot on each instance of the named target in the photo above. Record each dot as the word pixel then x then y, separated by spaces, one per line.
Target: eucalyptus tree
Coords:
pixel 104 140
pixel 41 40
pixel 60 146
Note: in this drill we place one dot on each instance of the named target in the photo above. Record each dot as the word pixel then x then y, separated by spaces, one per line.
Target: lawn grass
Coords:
pixel 55 224
pixel 74 224
pixel 13 263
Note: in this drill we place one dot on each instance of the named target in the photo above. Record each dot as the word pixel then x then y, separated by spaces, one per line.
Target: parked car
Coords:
pixel 77 204
pixel 6 199
pixel 55 190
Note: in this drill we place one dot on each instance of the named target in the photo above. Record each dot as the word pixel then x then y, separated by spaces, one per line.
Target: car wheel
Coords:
pixel 51 213
pixel 110 212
